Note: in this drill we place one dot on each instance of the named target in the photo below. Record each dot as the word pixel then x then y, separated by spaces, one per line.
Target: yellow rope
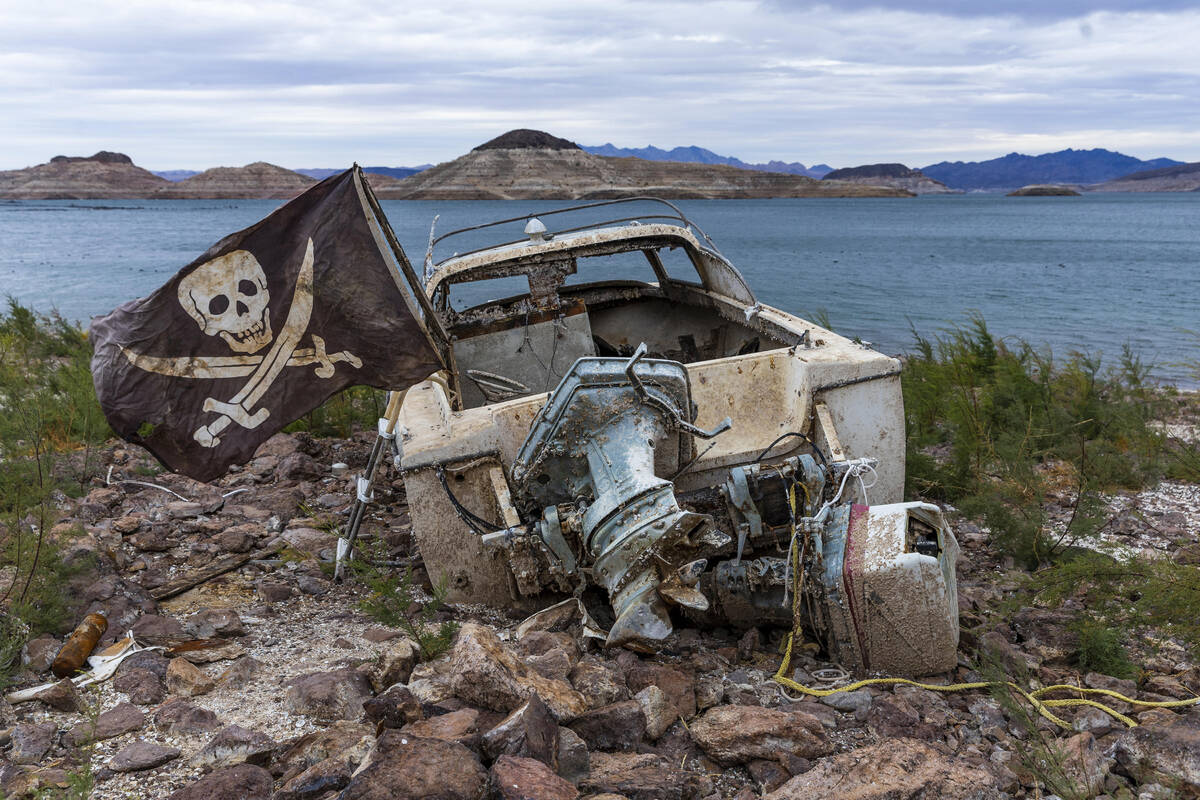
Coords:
pixel 1034 698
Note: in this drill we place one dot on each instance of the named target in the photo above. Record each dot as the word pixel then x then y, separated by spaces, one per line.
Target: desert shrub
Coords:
pixel 1101 650
pixel 1122 598
pixel 395 600
pixel 355 408
pixel 50 424
pixel 985 417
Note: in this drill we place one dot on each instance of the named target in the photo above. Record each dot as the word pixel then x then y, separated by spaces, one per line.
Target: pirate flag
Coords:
pixel 260 330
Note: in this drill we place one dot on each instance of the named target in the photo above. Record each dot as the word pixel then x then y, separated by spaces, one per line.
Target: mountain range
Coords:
pixel 526 164
pixel 1016 169
pixel 700 155
pixel 319 173
pixel 533 164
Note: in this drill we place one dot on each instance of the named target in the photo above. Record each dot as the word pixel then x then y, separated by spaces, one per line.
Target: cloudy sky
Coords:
pixel 199 83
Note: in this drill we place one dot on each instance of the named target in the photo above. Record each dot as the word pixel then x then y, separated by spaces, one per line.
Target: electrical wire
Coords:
pixel 478 525
pixel 802 437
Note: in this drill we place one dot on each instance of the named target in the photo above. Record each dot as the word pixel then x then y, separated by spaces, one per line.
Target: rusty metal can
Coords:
pixel 79 645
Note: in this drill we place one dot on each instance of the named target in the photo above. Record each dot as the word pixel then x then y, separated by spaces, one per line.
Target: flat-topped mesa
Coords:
pixel 105 175
pixel 103 157
pixel 874 171
pixel 897 176
pixel 1176 178
pixel 527 139
pixel 534 165
pixel 257 180
pixel 1044 190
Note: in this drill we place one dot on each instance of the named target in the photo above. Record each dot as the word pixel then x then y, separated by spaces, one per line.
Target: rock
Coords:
pixel 401 767
pixel 709 691
pixel 154 540
pixel 330 774
pixel 155 629
pixel 530 732
pixel 898 769
pixel 297 467
pixel 40 652
pixel 551 664
pixel 186 679
pixel 328 696
pixel 540 642
pixel 996 649
pixel 599 685
pixel 657 710
pixel 239 673
pixel 893 717
pixel 1096 680
pixel 465 726
pixel 31 742
pixel 516 778
pixel 1167 685
pixel 1166 754
pixel 279 445
pixel 141 755
pixel 141 686
pixel 1157 716
pixel 274 591
pixel 312 748
pixel 127 525
pixel 178 716
pixel 309 540
pixel 679 687
pixel 484 672
pixel 737 734
pixel 619 726
pixel 184 509
pixel 857 702
pixel 768 774
pixel 122 718
pixel 1094 721
pixel 395 664
pixel 146 659
pixel 574 761
pixel 62 696
pixel 234 744
pixel 989 719
pixel 1084 764
pixel 395 708
pixel 378 635
pixel 238 539
pixel 638 776
pixel 206 651
pixel 312 585
pixel 209 623
pixel 241 782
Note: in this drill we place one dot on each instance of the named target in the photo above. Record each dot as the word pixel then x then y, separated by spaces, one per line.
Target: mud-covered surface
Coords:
pixel 310 698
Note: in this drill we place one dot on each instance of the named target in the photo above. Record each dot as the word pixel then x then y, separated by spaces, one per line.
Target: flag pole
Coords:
pixel 364 488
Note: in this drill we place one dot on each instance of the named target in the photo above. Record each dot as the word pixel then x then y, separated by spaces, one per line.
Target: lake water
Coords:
pixel 1093 272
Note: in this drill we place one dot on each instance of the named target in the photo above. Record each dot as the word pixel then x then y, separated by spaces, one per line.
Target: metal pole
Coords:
pixel 365 482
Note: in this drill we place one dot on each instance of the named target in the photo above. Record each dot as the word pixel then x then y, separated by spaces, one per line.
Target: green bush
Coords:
pixel 1101 650
pixel 356 408
pixel 985 418
pixel 392 600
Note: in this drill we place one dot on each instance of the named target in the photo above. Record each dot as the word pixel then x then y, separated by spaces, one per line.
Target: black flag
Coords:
pixel 261 329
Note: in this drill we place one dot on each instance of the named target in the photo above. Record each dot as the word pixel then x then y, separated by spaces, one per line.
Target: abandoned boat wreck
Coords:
pixel 625 425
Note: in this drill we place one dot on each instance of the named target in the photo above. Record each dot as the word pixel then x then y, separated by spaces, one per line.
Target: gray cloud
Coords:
pixel 1033 9
pixel 307 84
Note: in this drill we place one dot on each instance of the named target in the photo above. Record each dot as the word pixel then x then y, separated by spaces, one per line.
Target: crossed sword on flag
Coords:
pixel 263 370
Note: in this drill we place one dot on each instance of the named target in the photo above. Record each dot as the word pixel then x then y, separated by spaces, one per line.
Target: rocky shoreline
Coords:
pixel 298 694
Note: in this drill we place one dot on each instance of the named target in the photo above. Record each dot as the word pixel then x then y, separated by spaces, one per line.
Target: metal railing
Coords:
pixel 678 217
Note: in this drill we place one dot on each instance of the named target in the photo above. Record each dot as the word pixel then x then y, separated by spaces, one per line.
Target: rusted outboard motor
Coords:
pixel 589 469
